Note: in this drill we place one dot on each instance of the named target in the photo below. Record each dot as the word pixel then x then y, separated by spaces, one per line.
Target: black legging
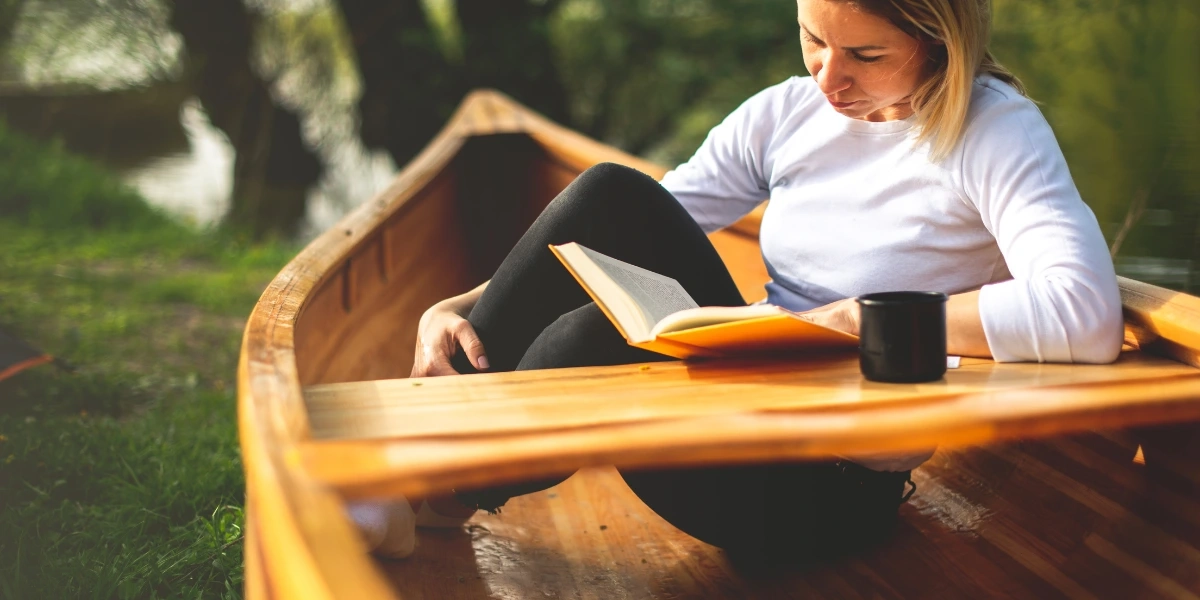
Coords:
pixel 534 315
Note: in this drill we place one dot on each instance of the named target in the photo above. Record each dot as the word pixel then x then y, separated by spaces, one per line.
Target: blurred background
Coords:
pixel 280 115
pixel 160 160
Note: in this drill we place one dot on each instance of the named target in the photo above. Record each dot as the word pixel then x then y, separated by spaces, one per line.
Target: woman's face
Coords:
pixel 867 67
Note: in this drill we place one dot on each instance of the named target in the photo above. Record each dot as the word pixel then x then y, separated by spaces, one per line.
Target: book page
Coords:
pixel 655 295
pixel 713 315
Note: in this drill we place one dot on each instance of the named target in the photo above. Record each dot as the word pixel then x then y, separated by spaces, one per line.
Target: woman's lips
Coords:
pixel 843 104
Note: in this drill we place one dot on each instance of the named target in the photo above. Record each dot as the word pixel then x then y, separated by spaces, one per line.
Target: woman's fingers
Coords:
pixel 441 332
pixel 433 360
pixel 841 315
pixel 439 366
pixel 471 344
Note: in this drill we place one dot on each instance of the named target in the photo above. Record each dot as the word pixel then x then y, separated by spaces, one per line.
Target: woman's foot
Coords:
pixel 388 527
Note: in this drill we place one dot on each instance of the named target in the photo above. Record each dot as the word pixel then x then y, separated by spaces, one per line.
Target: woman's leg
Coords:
pixel 787 511
pixel 582 337
pixel 614 210
pixel 784 512
pixel 533 315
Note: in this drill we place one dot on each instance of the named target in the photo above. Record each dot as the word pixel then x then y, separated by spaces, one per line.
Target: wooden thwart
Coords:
pixel 420 435
pixel 536 402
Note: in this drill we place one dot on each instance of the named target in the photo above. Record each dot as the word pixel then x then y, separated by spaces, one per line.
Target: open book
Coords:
pixel 655 313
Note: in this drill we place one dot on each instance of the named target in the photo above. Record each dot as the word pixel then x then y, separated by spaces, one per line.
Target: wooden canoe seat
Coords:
pixel 440 433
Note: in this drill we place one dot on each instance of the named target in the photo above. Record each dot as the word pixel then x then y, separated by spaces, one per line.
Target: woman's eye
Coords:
pixel 866 59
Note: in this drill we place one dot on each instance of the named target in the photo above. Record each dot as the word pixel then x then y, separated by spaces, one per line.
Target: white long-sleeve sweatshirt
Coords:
pixel 858 207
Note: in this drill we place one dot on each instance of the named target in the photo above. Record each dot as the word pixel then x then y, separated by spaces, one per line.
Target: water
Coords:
pixel 114 91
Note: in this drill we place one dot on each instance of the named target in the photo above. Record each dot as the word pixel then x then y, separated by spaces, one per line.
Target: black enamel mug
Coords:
pixel 902 336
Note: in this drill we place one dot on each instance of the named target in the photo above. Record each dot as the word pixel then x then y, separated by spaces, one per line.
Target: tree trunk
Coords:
pixel 9 11
pixel 409 90
pixel 273 168
pixel 507 47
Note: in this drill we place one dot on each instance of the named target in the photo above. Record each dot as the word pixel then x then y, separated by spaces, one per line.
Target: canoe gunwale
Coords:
pixel 306 546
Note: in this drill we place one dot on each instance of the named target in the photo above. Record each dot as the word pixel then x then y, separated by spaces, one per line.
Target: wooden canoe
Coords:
pixel 1049 481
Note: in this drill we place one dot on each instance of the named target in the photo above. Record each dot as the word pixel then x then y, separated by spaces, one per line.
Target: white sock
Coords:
pixel 388 527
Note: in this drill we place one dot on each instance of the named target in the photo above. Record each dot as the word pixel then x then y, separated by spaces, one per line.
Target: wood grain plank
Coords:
pixel 525 402
pixel 372 467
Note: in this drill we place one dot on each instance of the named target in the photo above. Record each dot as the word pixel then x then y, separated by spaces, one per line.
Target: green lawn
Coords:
pixel 119 474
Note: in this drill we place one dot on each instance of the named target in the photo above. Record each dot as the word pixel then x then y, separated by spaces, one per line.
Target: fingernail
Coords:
pixel 483 363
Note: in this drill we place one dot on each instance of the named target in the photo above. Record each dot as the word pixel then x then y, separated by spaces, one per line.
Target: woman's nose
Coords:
pixel 832 76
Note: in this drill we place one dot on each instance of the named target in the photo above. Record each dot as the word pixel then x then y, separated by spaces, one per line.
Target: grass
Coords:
pixel 120 475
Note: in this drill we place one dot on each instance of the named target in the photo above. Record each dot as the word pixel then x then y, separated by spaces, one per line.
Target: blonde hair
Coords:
pixel 956 34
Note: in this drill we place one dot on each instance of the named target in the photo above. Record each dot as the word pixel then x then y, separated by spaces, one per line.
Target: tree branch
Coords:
pixel 1136 209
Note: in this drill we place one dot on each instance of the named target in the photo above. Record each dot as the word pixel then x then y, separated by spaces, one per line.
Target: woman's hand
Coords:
pixel 842 315
pixel 442 329
pixel 964 328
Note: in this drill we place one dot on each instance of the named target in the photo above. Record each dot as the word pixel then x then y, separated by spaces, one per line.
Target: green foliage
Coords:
pixel 44 186
pixel 101 507
pixel 311 47
pixel 654 77
pixel 120 474
pixel 1118 81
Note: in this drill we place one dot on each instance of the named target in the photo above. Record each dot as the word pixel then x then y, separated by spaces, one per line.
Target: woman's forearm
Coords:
pixel 964 327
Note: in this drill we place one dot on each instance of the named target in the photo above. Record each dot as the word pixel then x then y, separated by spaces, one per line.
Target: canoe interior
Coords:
pixel 1112 514
pixel 1073 517
pixel 360 324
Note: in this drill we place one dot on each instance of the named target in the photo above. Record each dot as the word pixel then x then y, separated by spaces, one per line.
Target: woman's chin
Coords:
pixel 867 112
pixel 854 111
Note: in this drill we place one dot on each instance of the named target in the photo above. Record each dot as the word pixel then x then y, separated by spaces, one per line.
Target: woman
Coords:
pixel 909 159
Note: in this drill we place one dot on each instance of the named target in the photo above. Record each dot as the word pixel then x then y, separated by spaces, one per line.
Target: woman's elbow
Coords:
pixel 1099 333
pixel 1100 347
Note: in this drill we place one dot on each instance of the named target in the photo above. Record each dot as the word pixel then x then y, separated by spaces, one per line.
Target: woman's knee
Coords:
pixel 583 337
pixel 608 173
pixel 617 185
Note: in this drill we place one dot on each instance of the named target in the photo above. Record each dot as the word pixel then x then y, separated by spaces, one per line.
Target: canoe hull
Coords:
pixel 987 521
